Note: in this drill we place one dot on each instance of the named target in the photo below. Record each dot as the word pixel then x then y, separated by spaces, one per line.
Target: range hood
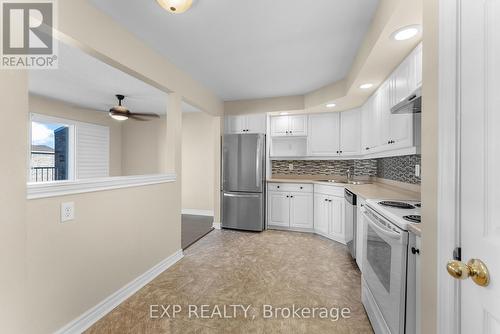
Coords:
pixel 409 105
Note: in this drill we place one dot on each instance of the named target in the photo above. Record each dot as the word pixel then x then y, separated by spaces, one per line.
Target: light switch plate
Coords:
pixel 67 211
pixel 417 170
pixel 290 166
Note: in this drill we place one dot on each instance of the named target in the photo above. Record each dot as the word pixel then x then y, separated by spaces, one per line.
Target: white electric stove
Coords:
pixel 386 268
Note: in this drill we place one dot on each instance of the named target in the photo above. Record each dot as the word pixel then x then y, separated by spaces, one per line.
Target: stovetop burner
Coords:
pixel 412 218
pixel 399 205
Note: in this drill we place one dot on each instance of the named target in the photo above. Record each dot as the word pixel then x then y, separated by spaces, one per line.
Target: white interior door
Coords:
pixel 480 160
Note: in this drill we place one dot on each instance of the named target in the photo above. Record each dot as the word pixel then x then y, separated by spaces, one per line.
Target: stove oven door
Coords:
pixel 384 267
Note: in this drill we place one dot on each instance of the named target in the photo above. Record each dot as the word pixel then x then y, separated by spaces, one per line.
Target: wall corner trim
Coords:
pixel 87 319
pixel 64 188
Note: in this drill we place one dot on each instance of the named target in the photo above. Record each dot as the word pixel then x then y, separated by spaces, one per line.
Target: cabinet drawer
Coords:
pixel 291 187
pixel 329 190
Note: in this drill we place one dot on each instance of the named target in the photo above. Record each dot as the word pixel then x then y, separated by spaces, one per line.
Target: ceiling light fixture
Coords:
pixel 331 105
pixel 405 33
pixel 118 117
pixel 175 6
pixel 366 86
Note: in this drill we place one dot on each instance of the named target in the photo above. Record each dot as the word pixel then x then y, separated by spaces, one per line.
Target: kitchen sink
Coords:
pixel 346 182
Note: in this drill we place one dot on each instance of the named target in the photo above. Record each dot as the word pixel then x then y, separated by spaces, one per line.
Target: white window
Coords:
pixel 62 149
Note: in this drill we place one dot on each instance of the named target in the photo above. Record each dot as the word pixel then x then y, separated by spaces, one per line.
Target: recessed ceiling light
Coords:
pixel 175 6
pixel 366 86
pixel 284 113
pixel 331 105
pixel 405 33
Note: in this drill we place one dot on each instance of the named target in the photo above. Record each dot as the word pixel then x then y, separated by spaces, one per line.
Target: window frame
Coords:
pixel 39 118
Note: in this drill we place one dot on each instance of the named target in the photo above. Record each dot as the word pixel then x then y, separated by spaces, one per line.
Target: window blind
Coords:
pixel 91 151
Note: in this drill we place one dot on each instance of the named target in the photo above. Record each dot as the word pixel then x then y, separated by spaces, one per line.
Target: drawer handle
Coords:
pixel 301 187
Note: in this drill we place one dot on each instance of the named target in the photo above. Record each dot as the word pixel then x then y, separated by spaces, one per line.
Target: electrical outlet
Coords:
pixel 67 211
pixel 417 170
pixel 290 166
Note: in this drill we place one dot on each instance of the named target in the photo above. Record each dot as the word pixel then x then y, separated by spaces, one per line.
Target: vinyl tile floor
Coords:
pixel 266 273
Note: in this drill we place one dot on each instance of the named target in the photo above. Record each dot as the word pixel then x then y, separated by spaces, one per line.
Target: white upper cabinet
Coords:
pixel 350 139
pixel 400 80
pixel 294 125
pixel 324 134
pixel 254 123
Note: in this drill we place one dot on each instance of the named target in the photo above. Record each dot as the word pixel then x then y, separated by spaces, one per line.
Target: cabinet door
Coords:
pixel 323 136
pixel 279 126
pixel 401 131
pixel 350 126
pixel 278 209
pixel 301 210
pixel 366 126
pixel 337 220
pixel 235 124
pixel 297 125
pixel 401 77
pixel 321 214
pixel 256 123
pixel 415 70
pixel 384 114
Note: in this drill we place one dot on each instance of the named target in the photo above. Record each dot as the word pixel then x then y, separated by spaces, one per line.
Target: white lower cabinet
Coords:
pixel 290 206
pixel 329 212
pixel 278 209
pixel 319 209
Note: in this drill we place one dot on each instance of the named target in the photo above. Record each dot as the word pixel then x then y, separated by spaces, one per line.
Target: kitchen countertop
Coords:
pixel 367 191
pixel 415 229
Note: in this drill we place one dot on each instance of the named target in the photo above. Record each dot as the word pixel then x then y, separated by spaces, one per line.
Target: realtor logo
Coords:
pixel 27 34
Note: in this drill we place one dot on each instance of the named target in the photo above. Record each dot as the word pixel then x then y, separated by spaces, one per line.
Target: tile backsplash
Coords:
pixel 400 169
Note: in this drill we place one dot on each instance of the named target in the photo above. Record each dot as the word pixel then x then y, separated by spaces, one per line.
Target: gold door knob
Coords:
pixel 475 269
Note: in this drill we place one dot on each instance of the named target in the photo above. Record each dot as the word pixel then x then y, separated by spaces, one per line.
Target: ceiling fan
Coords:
pixel 120 113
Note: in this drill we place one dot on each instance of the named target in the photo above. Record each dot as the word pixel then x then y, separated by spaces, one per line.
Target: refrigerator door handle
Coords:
pixel 258 163
pixel 238 195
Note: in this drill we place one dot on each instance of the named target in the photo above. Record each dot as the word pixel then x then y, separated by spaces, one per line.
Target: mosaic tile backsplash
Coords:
pixel 400 169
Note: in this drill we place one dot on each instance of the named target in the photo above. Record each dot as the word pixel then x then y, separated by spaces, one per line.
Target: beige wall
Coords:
pixel 430 166
pixel 53 272
pixel 142 146
pixel 13 135
pixel 51 107
pixel 198 161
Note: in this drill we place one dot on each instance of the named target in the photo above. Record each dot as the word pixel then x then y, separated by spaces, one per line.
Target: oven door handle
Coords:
pixel 391 234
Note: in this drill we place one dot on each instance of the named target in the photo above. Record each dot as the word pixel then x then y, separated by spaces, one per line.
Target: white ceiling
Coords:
pixel 85 81
pixel 245 49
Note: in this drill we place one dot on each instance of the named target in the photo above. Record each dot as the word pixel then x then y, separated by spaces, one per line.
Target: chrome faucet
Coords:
pixel 349 176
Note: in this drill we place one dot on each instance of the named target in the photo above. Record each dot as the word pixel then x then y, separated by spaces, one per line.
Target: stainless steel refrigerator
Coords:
pixel 243 182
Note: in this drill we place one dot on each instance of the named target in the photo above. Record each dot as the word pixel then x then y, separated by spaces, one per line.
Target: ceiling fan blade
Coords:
pixel 137 118
pixel 145 115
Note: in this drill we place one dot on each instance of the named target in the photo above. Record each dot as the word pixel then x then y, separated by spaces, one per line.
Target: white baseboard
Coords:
pixel 90 317
pixel 217 226
pixel 208 213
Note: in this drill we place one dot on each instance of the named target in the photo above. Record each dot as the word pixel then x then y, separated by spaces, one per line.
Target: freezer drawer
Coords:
pixel 243 211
